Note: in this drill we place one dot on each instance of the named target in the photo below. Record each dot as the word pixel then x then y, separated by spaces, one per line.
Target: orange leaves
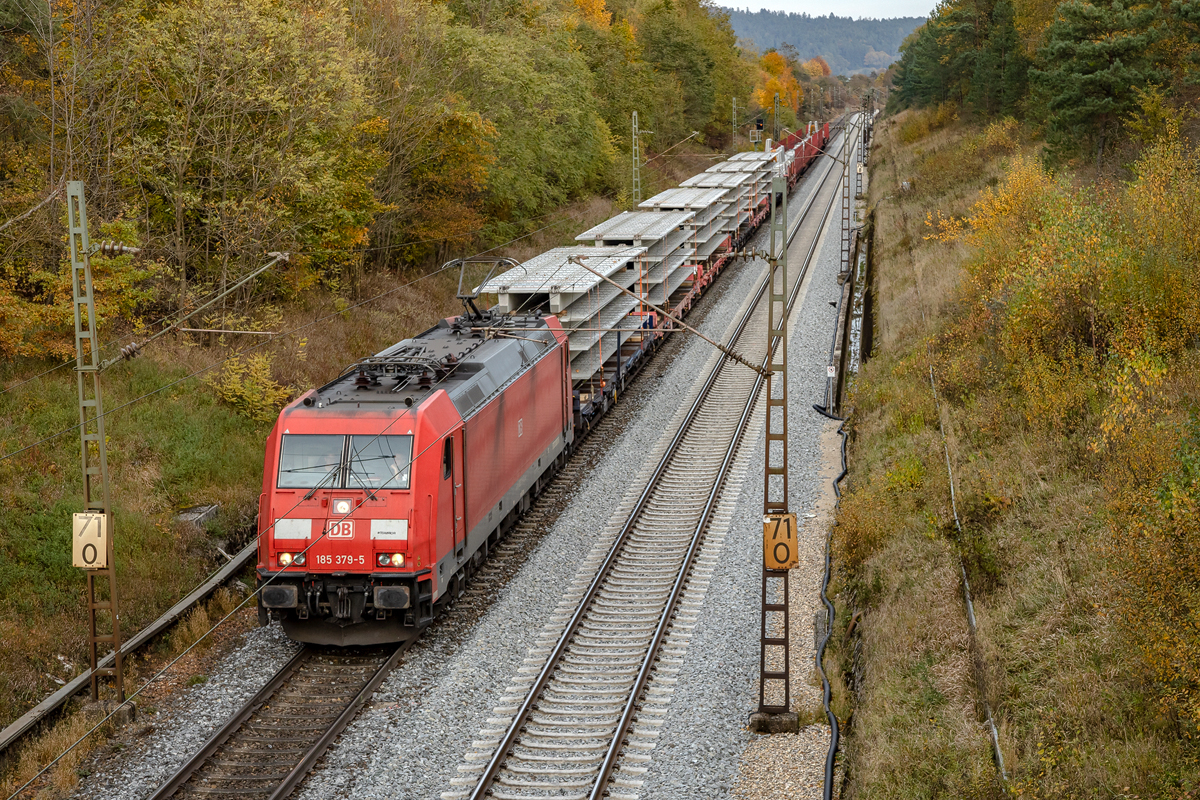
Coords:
pixel 595 13
pixel 775 77
pixel 946 228
pixel 817 68
pixel 1134 387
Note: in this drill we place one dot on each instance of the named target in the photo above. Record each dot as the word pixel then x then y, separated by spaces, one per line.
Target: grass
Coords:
pixel 183 446
pixel 1076 712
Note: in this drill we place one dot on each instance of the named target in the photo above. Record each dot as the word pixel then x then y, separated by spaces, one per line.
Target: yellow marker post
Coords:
pixel 89 540
pixel 779 542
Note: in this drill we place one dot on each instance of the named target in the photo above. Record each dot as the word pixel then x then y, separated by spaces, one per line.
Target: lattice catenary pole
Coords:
pixel 637 164
pixel 779 525
pixel 92 531
pixel 733 135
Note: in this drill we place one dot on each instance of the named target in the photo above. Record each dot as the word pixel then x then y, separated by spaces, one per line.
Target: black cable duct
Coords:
pixel 830 615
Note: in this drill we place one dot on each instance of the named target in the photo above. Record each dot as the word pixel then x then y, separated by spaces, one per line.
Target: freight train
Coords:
pixel 385 489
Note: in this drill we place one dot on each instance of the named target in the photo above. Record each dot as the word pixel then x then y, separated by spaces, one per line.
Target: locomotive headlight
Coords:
pixel 284 559
pixel 299 559
pixel 397 559
pixel 384 559
pixel 341 506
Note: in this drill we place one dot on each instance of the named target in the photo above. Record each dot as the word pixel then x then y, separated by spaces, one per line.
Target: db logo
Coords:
pixel 343 529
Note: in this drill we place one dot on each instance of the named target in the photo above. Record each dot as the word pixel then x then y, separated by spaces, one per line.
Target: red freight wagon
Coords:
pixel 384 489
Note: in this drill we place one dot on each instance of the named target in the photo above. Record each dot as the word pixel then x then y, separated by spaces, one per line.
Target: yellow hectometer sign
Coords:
pixel 89 540
pixel 779 541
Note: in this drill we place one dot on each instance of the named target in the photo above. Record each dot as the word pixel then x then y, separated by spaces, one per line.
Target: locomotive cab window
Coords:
pixel 308 461
pixel 379 462
pixel 448 458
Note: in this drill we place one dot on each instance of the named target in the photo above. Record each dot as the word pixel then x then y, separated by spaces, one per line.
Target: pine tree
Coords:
pixel 1184 18
pixel 1094 57
pixel 1014 69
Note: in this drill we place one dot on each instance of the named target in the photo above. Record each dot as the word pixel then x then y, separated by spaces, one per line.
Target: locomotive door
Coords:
pixel 452 472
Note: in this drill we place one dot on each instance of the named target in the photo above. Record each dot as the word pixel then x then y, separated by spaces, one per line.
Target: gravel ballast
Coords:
pixel 705 733
pixel 412 737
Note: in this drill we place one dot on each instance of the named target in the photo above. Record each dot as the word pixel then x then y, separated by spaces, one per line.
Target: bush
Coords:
pixel 925 121
pixel 248 387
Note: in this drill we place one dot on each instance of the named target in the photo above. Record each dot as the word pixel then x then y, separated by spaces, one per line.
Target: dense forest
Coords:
pixel 849 45
pixel 358 136
pixel 1092 75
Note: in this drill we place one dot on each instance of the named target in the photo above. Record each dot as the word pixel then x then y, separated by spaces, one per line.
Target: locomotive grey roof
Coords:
pixel 459 355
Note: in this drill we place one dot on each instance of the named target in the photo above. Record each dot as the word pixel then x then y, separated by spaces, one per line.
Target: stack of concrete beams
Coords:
pixel 757 167
pixel 599 316
pixel 740 192
pixel 670 243
pixel 710 224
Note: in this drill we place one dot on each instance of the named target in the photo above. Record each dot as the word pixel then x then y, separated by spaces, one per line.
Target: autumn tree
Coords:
pixel 253 133
pixel 437 147
pixel 538 92
pixel 817 67
pixel 776 77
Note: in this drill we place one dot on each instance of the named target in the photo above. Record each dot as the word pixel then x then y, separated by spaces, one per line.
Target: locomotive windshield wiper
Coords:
pixel 320 483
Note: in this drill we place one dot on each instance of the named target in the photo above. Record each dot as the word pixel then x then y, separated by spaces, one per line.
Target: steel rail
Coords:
pixel 223 734
pixel 652 654
pixel 301 770
pixel 262 698
pixel 521 718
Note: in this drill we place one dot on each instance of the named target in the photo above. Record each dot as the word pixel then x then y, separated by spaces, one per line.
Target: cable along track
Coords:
pixel 268 747
pixel 573 736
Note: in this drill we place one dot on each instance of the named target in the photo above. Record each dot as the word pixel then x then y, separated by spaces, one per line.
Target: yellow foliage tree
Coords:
pixel 775 77
pixel 595 13
pixel 817 68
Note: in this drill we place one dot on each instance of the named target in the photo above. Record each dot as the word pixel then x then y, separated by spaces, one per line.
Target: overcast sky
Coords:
pixel 878 9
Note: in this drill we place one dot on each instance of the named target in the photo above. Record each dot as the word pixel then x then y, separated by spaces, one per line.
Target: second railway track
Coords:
pixel 568 737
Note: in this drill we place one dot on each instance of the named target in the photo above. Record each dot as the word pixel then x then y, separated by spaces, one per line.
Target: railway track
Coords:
pixel 268 747
pixel 582 726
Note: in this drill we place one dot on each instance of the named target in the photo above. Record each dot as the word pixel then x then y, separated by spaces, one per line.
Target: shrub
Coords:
pixel 248 386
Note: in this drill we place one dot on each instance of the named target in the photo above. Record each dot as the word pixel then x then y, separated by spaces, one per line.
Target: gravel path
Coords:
pixel 410 740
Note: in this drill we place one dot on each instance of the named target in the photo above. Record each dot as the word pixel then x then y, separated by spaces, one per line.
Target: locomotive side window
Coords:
pixel 448 458
pixel 308 461
pixel 379 462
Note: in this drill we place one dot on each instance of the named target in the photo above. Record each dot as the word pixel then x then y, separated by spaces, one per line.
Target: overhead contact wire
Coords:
pixel 264 343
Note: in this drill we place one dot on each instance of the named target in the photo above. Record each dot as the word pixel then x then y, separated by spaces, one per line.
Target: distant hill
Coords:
pixel 849 45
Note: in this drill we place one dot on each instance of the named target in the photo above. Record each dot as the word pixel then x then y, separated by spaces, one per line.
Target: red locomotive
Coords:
pixel 384 489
